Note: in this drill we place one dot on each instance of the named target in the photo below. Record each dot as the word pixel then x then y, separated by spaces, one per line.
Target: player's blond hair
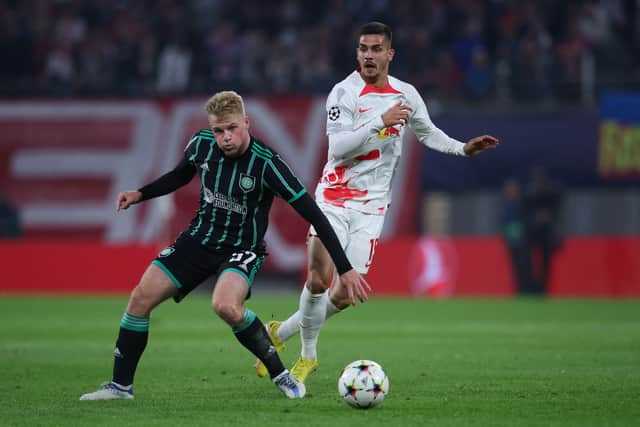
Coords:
pixel 224 103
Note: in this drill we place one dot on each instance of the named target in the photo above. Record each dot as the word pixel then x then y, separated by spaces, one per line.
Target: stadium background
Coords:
pixel 99 97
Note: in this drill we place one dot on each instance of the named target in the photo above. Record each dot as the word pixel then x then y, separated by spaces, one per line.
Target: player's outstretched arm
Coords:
pixel 480 144
pixel 128 198
pixel 167 183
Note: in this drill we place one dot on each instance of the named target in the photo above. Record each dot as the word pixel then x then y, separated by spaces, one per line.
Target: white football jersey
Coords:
pixel 360 177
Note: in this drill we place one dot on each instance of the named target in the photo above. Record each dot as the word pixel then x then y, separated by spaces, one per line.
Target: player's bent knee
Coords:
pixel 230 313
pixel 316 283
pixel 140 302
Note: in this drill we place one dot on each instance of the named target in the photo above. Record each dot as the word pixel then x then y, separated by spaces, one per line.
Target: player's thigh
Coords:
pixel 188 263
pixel 363 238
pixel 155 287
pixel 364 233
pixel 244 263
pixel 339 220
pixel 231 288
pixel 229 295
pixel 320 266
pixel 234 283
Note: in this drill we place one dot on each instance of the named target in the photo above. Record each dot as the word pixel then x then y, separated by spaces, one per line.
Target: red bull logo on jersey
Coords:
pixel 388 132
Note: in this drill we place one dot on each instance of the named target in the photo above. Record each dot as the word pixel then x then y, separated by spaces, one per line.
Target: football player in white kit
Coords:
pixel 367 115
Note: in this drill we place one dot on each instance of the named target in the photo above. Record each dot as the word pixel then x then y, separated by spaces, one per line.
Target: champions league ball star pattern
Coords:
pixel 363 384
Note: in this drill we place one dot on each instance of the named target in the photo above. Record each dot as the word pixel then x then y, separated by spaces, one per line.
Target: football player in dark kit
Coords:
pixel 240 176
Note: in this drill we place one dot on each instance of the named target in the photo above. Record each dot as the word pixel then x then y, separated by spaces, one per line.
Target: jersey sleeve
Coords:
pixel 170 181
pixel 343 135
pixel 279 179
pixel 184 170
pixel 340 110
pixel 428 133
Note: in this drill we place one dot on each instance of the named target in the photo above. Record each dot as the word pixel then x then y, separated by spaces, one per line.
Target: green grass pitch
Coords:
pixel 450 363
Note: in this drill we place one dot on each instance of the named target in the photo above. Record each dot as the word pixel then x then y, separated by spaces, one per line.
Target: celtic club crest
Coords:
pixel 247 182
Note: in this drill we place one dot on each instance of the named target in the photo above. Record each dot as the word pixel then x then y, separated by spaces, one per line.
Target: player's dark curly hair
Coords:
pixel 375 27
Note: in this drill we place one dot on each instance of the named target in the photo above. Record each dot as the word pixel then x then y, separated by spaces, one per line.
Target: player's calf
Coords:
pixel 272 330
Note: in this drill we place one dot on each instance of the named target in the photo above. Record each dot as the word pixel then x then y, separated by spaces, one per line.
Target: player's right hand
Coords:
pixel 355 284
pixel 127 198
pixel 397 115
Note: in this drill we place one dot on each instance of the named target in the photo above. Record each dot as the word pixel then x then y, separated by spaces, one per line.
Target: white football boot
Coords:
pixel 109 391
pixel 289 385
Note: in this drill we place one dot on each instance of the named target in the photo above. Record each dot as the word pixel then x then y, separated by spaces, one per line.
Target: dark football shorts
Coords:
pixel 189 263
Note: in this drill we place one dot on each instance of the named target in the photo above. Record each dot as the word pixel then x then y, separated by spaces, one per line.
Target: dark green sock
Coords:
pixel 132 340
pixel 252 334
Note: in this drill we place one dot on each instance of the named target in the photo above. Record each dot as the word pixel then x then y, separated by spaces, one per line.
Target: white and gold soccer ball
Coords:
pixel 363 384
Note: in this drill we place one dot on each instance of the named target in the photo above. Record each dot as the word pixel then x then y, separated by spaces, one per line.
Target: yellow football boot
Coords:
pixel 303 368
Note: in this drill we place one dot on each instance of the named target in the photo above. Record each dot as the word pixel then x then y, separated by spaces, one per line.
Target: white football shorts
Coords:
pixel 358 233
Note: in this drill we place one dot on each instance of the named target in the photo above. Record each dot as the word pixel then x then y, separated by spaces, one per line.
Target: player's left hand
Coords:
pixel 356 285
pixel 127 198
pixel 480 144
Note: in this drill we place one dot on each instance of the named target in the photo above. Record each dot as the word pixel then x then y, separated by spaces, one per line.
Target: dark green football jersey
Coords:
pixel 236 193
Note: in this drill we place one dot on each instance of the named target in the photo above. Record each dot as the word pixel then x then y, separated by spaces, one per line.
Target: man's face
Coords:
pixel 231 132
pixel 374 54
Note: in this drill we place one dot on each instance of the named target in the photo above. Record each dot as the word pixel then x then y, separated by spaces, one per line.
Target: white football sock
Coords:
pixel 331 308
pixel 290 327
pixel 312 311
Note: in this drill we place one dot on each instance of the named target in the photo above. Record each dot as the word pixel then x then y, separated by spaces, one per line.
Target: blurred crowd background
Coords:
pixel 455 52
pixel 98 96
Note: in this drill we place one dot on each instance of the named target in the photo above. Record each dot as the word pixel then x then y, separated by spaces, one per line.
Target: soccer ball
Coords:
pixel 363 384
